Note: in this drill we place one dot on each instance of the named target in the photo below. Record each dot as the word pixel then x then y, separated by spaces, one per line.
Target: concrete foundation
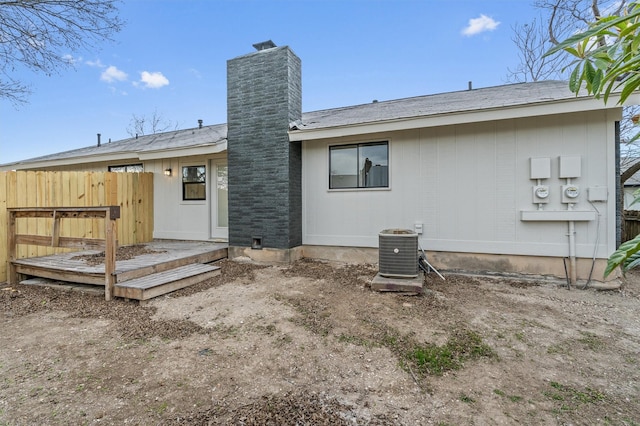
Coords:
pixel 267 255
pixel 361 255
pixel 475 263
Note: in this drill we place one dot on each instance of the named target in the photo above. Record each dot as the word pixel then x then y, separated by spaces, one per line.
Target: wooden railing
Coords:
pixel 133 192
pixel 109 243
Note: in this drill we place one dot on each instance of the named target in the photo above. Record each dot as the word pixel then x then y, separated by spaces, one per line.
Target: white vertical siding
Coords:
pixel 467 184
pixel 505 183
pixel 174 217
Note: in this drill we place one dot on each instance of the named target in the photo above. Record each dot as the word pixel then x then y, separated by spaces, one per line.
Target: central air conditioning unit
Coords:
pixel 398 253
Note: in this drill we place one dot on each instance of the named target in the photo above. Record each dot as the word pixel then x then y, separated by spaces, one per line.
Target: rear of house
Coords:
pixel 512 179
pixel 465 179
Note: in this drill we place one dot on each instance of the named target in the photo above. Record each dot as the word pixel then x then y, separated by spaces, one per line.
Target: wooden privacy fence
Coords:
pixel 132 192
pixel 631 224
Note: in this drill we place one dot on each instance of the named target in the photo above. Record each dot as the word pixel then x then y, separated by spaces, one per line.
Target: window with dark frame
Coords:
pixel 194 183
pixel 131 168
pixel 363 165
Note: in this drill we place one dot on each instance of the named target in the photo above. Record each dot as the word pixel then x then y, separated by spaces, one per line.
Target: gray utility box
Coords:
pixel 398 253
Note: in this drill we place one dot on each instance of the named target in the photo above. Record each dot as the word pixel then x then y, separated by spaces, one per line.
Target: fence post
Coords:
pixel 110 234
pixel 12 276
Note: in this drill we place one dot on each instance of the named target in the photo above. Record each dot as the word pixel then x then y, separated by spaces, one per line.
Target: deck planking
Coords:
pixel 154 285
pixel 168 255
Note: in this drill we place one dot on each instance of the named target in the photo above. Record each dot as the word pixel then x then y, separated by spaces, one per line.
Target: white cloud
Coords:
pixel 112 74
pixel 97 63
pixel 480 25
pixel 153 80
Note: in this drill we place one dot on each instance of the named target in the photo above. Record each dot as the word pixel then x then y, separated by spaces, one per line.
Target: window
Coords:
pixel 194 183
pixel 364 165
pixel 127 168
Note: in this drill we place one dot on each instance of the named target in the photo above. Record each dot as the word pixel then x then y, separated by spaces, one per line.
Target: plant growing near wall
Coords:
pixel 628 254
pixel 608 60
pixel 607 55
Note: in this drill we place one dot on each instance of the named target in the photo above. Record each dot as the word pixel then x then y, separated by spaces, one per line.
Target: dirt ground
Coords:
pixel 311 343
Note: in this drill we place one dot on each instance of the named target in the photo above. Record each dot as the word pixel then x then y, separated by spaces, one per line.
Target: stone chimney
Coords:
pixel 264 95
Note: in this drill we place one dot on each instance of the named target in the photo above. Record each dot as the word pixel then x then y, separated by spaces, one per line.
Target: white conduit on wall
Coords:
pixel 573 269
pixel 572 253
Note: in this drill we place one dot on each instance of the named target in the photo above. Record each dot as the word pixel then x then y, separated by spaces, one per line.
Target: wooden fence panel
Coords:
pixel 125 205
pixel 29 192
pixel 3 227
pixel 41 200
pixel 631 225
pixel 63 185
pixel 133 192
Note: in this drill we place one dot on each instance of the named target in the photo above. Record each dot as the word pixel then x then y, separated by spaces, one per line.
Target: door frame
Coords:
pixel 216 232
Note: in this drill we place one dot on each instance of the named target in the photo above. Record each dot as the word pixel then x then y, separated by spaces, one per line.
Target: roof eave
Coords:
pixel 32 165
pixel 578 104
pixel 205 149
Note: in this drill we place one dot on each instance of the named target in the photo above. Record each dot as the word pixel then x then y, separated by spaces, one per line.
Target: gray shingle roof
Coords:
pixel 186 138
pixel 438 104
pixel 506 96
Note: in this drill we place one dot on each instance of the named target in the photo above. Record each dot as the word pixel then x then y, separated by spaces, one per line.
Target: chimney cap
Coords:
pixel 264 45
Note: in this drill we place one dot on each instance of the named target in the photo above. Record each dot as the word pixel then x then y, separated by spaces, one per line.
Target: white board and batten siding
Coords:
pixel 467 184
pixel 176 218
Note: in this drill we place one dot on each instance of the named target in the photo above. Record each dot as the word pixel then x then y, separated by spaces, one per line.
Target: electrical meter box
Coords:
pixel 570 167
pixel 597 193
pixel 540 194
pixel 570 194
pixel 540 168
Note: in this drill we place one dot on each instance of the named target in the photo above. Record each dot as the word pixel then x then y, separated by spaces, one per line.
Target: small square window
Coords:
pixel 364 165
pixel 130 168
pixel 194 183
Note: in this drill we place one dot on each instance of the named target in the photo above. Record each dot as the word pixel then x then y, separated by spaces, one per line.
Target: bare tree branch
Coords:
pixel 531 40
pixel 631 170
pixel 560 19
pixel 43 36
pixel 564 17
pixel 552 23
pixel 142 125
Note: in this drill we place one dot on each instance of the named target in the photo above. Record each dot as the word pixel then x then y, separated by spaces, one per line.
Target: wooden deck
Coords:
pixel 174 265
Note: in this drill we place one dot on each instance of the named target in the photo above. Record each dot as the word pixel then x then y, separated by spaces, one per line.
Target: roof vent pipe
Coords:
pixel 470 85
pixel 98 139
pixel 199 124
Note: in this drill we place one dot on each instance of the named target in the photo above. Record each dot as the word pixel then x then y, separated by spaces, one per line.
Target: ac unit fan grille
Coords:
pixel 398 253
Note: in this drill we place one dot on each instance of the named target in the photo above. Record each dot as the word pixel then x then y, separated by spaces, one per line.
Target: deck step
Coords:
pixel 154 285
pixel 128 270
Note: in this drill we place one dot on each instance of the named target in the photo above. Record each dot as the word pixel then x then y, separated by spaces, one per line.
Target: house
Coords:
pixel 518 178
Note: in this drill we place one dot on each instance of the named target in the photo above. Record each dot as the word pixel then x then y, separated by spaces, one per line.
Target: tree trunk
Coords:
pixel 627 174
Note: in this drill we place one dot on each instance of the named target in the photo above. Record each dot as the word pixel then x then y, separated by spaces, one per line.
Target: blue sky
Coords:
pixel 171 58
